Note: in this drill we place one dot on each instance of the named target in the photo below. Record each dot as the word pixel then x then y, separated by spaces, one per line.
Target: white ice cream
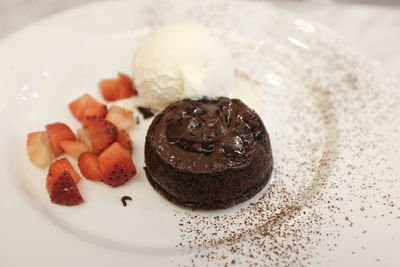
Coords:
pixel 181 60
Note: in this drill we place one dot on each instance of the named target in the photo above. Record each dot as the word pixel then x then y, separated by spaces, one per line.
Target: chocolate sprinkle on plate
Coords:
pixel 124 199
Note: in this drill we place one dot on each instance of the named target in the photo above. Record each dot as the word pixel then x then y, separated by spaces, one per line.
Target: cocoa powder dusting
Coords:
pixel 345 178
pixel 286 227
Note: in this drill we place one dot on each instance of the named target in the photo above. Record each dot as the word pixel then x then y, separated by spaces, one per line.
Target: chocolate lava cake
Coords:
pixel 208 153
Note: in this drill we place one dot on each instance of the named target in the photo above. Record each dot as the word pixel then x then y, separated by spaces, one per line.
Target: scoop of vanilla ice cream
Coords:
pixel 181 60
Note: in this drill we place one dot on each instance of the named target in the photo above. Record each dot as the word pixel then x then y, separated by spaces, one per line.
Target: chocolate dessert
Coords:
pixel 208 153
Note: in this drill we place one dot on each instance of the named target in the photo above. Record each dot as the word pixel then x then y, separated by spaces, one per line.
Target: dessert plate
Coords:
pixel 332 115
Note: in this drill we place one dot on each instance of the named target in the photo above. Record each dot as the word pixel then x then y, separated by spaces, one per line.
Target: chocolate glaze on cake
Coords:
pixel 208 153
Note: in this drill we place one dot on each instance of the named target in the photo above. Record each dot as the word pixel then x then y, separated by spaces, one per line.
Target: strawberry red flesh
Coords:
pixel 57 168
pixel 78 106
pixel 85 106
pixel 114 89
pixel 109 89
pixel 89 166
pixel 125 141
pixel 94 108
pixel 127 86
pixel 102 133
pixel 64 191
pixel 59 132
pixel 116 166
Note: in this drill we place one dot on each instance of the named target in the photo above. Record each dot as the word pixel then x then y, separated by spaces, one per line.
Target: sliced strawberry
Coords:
pixel 128 88
pixel 125 141
pixel 121 117
pixel 59 132
pixel 57 168
pixel 102 133
pixel 83 136
pixel 64 191
pixel 89 166
pixel 94 108
pixel 109 89
pixel 74 148
pixel 116 166
pixel 39 149
pixel 78 106
pixel 114 89
pixel 87 106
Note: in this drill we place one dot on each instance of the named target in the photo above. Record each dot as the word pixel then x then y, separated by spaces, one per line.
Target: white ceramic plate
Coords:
pixel 332 115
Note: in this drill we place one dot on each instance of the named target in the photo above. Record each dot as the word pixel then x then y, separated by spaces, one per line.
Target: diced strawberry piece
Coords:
pixel 57 168
pixel 89 166
pixel 74 148
pixel 121 117
pixel 59 132
pixel 78 106
pixel 39 149
pixel 83 136
pixel 125 141
pixel 125 80
pixel 87 106
pixel 116 166
pixel 94 108
pixel 109 89
pixel 128 88
pixel 102 133
pixel 114 89
pixel 64 191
